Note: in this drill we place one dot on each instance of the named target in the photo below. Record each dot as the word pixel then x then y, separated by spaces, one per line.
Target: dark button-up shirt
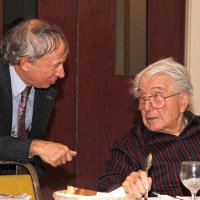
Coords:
pixel 167 150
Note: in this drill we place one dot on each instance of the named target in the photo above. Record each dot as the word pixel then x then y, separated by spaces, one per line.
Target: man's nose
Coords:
pixel 60 72
pixel 147 105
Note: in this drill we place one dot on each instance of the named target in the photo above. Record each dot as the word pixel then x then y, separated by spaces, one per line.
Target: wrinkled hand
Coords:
pixel 137 183
pixel 52 153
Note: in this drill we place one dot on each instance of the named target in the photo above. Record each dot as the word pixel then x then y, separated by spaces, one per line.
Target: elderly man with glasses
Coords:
pixel 169 131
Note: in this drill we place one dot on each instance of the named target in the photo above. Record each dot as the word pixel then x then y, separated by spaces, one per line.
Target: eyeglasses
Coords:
pixel 157 101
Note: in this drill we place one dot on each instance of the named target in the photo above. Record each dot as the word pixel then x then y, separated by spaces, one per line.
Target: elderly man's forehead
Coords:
pixel 157 81
pixel 155 76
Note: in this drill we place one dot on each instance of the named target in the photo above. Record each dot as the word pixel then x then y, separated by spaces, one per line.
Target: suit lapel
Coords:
pixel 5 100
pixel 43 104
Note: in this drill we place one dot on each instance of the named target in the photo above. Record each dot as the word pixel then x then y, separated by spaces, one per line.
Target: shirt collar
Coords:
pixel 190 116
pixel 17 83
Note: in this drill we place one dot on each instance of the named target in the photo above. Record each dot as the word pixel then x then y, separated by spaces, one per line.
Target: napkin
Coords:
pixel 119 192
pixel 183 198
pixel 15 197
pixel 168 197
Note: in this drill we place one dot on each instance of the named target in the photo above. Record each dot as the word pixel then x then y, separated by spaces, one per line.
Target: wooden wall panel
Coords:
pixel 104 110
pixel 62 127
pixel 166 28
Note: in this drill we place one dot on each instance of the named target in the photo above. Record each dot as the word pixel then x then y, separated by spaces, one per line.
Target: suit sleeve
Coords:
pixel 14 149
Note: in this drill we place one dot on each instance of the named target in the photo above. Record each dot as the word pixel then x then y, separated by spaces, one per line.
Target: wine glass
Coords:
pixel 190 176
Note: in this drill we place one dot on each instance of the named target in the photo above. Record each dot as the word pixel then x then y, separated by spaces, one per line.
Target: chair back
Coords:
pixel 22 183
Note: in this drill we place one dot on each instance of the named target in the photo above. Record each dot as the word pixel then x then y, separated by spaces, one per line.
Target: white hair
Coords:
pixel 170 67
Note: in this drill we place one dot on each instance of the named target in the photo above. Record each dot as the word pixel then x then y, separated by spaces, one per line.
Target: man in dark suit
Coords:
pixel 33 53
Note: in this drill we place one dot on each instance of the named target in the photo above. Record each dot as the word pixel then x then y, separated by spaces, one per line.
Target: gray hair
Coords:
pixel 32 38
pixel 170 67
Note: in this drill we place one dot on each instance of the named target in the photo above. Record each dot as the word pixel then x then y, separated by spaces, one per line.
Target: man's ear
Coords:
pixel 185 101
pixel 24 63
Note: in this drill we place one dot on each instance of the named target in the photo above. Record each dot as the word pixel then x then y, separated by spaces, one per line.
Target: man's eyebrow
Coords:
pixel 153 88
pixel 158 88
pixel 59 62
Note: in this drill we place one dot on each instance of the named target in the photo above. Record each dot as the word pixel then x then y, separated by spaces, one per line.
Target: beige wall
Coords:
pixel 192 49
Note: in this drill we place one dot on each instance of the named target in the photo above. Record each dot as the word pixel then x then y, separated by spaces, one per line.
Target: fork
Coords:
pixel 148 164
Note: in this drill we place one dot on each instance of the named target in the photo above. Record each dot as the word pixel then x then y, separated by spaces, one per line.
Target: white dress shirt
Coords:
pixel 18 85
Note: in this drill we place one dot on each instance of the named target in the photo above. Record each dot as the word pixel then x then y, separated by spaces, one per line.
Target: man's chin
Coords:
pixel 47 86
pixel 44 86
pixel 154 128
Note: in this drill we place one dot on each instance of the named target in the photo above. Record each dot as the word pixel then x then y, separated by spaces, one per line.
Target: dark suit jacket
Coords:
pixel 17 149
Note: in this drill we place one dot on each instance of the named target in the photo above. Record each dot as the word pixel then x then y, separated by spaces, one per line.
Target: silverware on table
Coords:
pixel 148 164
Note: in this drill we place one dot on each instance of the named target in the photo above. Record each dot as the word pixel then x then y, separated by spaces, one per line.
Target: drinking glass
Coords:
pixel 190 176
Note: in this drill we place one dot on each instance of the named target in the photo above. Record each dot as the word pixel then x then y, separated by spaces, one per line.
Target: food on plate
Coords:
pixel 80 191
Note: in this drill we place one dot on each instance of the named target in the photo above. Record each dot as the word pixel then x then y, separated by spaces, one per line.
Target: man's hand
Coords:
pixel 137 183
pixel 52 153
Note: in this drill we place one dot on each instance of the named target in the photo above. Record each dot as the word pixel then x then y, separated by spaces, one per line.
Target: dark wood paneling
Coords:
pixel 166 27
pixel 104 110
pixel 62 127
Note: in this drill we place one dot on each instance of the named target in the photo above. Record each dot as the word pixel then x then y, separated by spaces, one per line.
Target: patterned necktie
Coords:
pixel 21 128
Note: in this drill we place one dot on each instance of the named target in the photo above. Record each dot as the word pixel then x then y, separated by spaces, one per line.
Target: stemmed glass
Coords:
pixel 190 176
